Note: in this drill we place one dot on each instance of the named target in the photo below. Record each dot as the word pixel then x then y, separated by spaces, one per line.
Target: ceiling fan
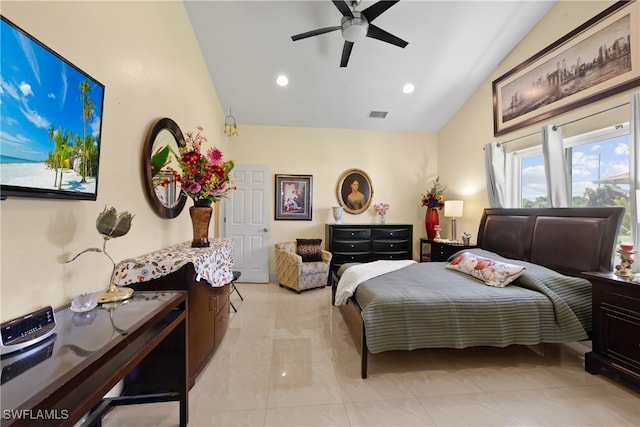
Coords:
pixel 356 26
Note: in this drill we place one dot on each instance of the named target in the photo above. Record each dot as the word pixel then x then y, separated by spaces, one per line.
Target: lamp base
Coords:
pixel 453 229
pixel 114 294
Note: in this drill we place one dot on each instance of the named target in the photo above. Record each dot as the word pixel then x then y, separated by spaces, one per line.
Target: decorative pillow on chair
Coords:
pixel 309 249
pixel 491 272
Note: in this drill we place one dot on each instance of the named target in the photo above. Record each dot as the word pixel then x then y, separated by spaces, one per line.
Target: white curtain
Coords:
pixel 495 165
pixel 555 167
pixel 634 169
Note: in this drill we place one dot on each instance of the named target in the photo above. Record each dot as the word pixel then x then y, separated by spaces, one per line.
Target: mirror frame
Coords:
pixel 173 128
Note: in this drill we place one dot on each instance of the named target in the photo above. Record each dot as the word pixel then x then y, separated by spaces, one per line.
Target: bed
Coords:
pixel 427 305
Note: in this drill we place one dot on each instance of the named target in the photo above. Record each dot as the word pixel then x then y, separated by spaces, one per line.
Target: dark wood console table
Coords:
pixel 205 273
pixel 62 379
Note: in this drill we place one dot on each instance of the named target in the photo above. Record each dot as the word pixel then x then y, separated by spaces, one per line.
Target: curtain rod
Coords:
pixel 555 127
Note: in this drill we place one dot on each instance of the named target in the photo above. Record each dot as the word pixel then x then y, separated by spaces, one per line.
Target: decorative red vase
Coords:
pixel 200 218
pixel 431 219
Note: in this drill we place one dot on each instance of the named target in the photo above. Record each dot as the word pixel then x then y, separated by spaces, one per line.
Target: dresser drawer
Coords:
pixel 390 245
pixel 341 257
pixel 391 233
pixel 616 326
pixel 351 233
pixel 351 245
pixel 391 255
pixel 620 338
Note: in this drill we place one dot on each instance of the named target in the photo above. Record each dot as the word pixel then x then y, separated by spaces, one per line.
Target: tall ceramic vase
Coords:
pixel 200 217
pixel 431 219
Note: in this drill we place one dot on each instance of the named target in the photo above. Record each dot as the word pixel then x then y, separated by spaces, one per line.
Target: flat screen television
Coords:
pixel 51 121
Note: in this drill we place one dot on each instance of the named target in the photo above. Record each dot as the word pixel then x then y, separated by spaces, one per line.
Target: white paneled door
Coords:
pixel 246 219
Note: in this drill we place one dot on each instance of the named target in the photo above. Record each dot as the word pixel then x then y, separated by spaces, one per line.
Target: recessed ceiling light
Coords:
pixel 282 80
pixel 408 88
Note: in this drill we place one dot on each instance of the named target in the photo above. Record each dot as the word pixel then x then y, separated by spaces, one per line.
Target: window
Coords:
pixel 598 164
pixel 528 184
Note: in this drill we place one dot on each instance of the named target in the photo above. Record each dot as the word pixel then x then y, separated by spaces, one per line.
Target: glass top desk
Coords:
pixel 60 380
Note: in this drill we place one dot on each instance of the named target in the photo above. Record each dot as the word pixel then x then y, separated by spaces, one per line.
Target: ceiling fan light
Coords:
pixel 354 29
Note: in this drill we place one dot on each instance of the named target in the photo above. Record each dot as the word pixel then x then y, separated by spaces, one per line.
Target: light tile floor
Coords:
pixel 288 360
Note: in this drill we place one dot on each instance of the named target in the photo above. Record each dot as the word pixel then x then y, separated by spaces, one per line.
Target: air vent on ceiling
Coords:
pixel 378 114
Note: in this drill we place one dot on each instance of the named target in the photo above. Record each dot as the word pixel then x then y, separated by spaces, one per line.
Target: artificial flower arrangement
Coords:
pixel 204 178
pixel 381 208
pixel 434 198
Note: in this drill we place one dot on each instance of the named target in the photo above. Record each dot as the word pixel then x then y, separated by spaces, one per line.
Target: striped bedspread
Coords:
pixel 357 274
pixel 427 306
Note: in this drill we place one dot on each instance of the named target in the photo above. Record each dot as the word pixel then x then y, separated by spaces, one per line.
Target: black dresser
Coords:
pixel 364 242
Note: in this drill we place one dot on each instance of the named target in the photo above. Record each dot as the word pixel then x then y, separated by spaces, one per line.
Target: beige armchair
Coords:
pixel 298 275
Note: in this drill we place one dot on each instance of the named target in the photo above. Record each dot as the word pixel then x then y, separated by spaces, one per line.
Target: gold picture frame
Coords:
pixel 354 191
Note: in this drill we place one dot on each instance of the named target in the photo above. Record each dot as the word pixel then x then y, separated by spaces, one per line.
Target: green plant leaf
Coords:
pixel 159 160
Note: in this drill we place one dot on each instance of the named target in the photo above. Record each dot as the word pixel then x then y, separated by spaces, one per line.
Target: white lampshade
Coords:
pixel 453 208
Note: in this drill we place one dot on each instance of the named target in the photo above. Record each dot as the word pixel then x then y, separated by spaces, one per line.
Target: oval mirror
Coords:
pixel 158 161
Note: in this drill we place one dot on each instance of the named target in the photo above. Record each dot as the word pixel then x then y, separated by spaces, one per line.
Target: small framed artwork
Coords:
pixel 355 191
pixel 596 60
pixel 293 197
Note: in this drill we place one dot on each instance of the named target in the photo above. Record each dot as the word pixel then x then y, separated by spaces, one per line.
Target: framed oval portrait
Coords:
pixel 355 191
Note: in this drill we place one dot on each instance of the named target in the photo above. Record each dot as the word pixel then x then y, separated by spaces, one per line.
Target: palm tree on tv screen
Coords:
pixel 87 114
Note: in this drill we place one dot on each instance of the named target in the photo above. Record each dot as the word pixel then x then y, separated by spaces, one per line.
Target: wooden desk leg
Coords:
pixel 183 378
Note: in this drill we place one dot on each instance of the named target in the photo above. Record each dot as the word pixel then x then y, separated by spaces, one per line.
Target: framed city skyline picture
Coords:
pixel 596 60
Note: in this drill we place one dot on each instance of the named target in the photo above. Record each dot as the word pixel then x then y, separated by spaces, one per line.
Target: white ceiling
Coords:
pixel 453 47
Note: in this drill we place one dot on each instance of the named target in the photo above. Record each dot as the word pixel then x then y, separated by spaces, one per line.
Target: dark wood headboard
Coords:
pixel 568 240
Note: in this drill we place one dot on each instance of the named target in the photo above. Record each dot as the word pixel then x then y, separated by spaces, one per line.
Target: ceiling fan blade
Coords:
pixel 346 53
pixel 343 8
pixel 380 34
pixel 314 33
pixel 376 9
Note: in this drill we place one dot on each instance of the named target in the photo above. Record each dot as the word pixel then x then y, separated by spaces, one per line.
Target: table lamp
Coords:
pixel 453 209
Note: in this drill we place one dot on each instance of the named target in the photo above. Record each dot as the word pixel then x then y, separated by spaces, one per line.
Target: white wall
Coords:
pixel 400 165
pixel 147 57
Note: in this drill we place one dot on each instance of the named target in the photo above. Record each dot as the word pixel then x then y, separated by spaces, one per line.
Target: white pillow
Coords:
pixel 491 272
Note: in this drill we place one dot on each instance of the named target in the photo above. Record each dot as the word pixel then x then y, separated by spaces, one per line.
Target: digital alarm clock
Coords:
pixel 27 330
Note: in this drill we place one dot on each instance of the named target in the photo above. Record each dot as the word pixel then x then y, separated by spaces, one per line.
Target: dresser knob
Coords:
pixel 353 234
pixel 391 234
pixel 392 245
pixel 353 246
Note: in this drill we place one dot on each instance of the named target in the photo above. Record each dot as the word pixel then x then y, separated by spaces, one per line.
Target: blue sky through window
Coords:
pixel 593 164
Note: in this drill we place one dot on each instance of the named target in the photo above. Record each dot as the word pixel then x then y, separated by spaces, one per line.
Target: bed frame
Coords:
pixel 567 240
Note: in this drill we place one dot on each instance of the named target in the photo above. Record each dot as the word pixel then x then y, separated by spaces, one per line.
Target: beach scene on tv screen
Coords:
pixel 51 118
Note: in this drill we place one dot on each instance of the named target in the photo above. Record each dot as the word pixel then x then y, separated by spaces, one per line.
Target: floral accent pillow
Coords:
pixel 309 249
pixel 491 272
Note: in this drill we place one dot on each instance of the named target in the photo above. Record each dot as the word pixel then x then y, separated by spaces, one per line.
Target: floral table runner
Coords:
pixel 212 264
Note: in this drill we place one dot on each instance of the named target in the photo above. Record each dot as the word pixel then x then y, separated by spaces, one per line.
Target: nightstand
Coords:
pixel 434 251
pixel 616 326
